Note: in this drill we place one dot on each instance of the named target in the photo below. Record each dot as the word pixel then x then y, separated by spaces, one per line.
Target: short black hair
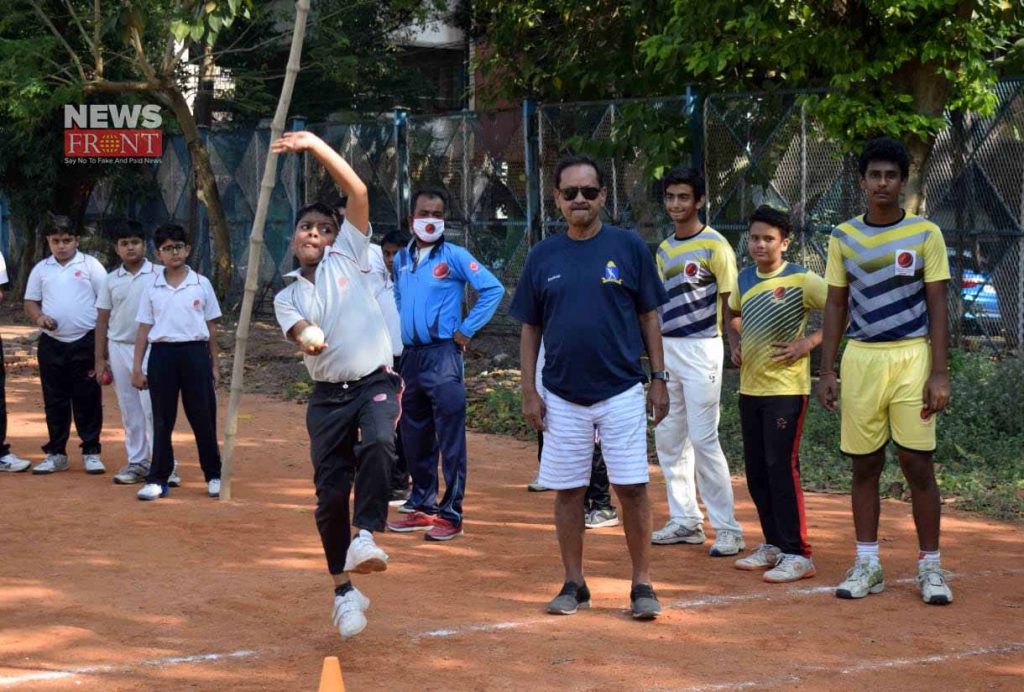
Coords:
pixel 58 224
pixel 320 208
pixel 577 160
pixel 685 175
pixel 885 149
pixel 127 228
pixel 428 191
pixel 169 231
pixel 399 238
pixel 776 218
pixel 338 200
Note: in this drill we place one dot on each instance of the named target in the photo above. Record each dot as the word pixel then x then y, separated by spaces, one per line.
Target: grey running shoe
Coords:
pixel 674 532
pixel 12 463
pixel 727 543
pixel 764 557
pixel 571 598
pixel 174 480
pixel 601 518
pixel 131 474
pixel 932 580
pixel 93 464
pixel 643 603
pixel 863 578
pixel 51 464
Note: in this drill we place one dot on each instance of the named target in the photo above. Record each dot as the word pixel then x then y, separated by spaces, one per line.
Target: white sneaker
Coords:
pixel 13 463
pixel 932 579
pixel 131 474
pixel 674 532
pixel 364 556
pixel 152 491
pixel 93 464
pixel 213 488
pixel 174 480
pixel 727 543
pixel 764 557
pixel 52 464
pixel 349 616
pixel 864 577
pixel 790 568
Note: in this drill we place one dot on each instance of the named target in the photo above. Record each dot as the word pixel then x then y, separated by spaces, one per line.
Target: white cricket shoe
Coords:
pixel 174 480
pixel 12 463
pixel 790 568
pixel 764 557
pixel 349 614
pixel 152 491
pixel 932 579
pixel 364 556
pixel 93 464
pixel 727 543
pixel 674 532
pixel 213 488
pixel 866 576
pixel 52 464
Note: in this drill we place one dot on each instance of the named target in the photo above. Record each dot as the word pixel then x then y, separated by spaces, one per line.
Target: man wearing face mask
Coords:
pixel 431 275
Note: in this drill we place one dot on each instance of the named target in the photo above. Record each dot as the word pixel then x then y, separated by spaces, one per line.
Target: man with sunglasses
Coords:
pixel 431 276
pixel 592 293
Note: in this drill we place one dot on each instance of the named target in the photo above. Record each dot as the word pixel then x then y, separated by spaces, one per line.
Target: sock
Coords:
pixel 868 550
pixel 931 556
pixel 343 589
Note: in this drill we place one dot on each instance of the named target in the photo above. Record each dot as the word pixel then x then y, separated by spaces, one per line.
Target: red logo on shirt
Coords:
pixel 197 304
pixel 474 267
pixel 78 274
pixel 441 270
pixel 342 282
pixel 691 269
pixel 905 259
pixel 778 293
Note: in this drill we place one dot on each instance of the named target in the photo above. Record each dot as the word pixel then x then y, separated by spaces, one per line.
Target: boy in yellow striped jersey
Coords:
pixel 769 309
pixel 887 271
pixel 698 268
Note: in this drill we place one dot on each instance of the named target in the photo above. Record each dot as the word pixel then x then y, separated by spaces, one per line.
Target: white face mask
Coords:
pixel 428 230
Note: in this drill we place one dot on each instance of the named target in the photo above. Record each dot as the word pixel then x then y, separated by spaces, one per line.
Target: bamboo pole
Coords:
pixel 256 247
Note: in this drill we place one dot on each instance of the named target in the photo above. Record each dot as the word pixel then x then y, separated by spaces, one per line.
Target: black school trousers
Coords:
pixel 70 390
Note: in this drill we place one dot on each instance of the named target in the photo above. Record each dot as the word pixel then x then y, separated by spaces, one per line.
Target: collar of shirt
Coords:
pixel 414 251
pixel 147 268
pixel 79 257
pixel 191 279
pixel 296 274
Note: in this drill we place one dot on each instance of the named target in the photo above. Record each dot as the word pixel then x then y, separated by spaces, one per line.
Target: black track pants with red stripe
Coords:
pixel 772 426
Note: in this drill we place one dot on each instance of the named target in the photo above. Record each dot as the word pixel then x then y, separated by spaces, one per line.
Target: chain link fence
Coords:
pixel 769 149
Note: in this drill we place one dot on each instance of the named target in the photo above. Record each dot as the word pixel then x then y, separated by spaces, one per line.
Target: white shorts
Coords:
pixel 621 422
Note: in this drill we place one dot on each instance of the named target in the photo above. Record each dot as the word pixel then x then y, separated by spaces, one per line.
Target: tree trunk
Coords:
pixel 208 193
pixel 256 248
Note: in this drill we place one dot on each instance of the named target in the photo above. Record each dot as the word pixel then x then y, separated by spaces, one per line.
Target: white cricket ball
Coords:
pixel 312 336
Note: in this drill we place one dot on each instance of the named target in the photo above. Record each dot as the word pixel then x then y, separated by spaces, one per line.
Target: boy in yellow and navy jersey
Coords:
pixel 769 310
pixel 887 271
pixel 698 268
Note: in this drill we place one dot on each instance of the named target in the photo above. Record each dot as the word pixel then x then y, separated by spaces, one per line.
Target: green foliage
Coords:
pixel 499 411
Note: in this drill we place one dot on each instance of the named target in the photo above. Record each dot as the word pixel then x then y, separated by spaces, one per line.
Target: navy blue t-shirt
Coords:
pixel 587 295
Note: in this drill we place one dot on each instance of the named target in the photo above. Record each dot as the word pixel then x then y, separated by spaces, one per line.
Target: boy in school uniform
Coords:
pixel 887 271
pixel 332 312
pixel 9 461
pixel 769 310
pixel 116 309
pixel 177 320
pixel 60 299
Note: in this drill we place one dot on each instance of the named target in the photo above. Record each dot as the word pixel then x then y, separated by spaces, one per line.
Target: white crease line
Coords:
pixel 11 681
pixel 703 602
pixel 866 667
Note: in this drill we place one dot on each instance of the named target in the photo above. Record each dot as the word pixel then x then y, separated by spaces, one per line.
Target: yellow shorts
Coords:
pixel 882 394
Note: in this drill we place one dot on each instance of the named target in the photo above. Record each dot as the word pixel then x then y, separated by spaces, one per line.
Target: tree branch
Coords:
pixel 78 23
pixel 102 86
pixel 97 20
pixel 60 37
pixel 140 56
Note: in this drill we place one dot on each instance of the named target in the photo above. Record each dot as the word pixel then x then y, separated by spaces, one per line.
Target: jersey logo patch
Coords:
pixel 611 274
pixel 474 267
pixel 342 282
pixel 779 293
pixel 442 270
pixel 905 262
pixel 691 272
pixel 197 304
pixel 78 273
pixel 380 397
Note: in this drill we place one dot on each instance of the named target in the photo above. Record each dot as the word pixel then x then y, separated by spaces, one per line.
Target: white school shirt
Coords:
pixel 3 269
pixel 178 314
pixel 68 293
pixel 342 303
pixel 122 295
pixel 384 291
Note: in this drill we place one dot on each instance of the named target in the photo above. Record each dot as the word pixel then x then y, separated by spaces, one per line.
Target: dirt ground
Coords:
pixel 101 592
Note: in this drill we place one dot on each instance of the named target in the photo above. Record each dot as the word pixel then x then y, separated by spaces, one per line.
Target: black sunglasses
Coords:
pixel 589 193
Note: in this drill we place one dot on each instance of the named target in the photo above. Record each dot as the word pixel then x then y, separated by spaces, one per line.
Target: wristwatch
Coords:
pixel 659 375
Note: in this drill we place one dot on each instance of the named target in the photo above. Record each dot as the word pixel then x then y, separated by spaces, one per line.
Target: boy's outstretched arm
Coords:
pixel 357 211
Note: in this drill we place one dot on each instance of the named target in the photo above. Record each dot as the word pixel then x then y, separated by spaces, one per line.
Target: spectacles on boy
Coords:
pixel 176 249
